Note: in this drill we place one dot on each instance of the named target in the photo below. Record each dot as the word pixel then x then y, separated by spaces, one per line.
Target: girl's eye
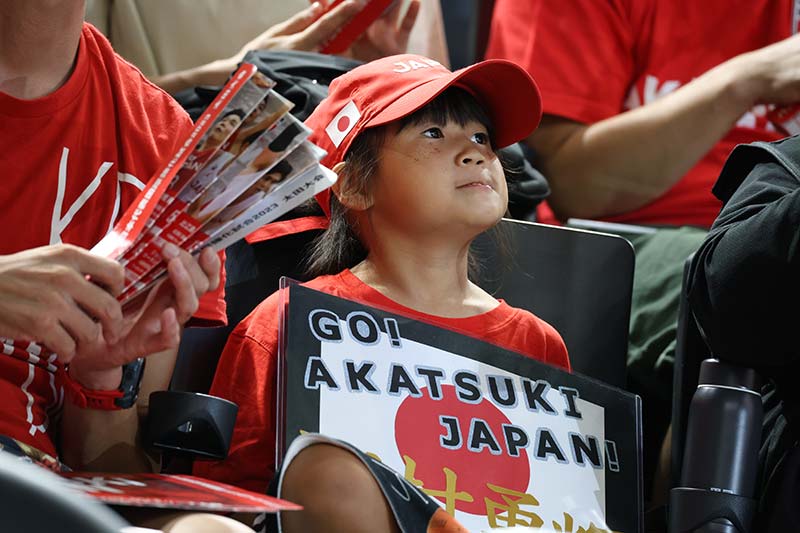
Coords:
pixel 480 138
pixel 433 133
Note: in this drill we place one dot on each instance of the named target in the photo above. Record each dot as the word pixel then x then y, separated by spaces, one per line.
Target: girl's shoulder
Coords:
pixel 522 331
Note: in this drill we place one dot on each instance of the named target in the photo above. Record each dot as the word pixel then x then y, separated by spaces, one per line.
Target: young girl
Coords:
pixel 419 179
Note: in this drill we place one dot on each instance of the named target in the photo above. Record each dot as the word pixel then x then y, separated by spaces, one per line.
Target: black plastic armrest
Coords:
pixel 190 424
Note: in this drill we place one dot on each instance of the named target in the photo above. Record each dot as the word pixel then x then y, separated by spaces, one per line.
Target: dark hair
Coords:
pixel 284 138
pixel 339 246
pixel 282 167
pixel 247 141
pixel 238 112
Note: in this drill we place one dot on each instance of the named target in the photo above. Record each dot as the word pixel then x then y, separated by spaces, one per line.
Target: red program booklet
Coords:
pixel 239 149
pixel 137 216
pixel 165 491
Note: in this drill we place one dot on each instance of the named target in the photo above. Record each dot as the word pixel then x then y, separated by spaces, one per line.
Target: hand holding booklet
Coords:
pixel 246 162
pixel 352 30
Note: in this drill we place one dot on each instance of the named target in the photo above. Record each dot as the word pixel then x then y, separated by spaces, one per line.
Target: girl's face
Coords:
pixel 439 177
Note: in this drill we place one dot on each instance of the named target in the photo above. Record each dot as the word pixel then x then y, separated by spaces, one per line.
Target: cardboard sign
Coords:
pixel 173 492
pixel 498 438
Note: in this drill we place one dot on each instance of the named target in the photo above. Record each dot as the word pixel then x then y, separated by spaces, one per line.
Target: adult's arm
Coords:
pixel 624 162
pixel 108 441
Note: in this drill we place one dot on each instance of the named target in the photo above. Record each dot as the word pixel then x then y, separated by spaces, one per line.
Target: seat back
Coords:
pixel 578 281
pixel 252 274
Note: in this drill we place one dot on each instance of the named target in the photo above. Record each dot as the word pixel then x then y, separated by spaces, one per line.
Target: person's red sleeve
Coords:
pixel 246 375
pixel 581 52
pixel 557 354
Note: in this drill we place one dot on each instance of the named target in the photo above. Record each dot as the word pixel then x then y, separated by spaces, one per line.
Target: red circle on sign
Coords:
pixel 343 123
pixel 418 433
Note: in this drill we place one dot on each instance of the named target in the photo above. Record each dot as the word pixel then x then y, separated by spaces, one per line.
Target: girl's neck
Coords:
pixel 432 280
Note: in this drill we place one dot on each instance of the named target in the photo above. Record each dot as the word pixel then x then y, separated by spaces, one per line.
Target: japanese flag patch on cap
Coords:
pixel 338 128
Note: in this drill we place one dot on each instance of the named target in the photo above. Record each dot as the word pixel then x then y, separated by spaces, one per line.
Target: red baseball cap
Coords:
pixel 390 88
pixel 393 87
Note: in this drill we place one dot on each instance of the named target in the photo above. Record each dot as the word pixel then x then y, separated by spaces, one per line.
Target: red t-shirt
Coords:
pixel 596 59
pixel 71 162
pixel 247 368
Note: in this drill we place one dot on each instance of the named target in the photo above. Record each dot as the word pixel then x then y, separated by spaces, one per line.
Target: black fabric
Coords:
pixel 746 271
pixel 744 288
pixel 527 187
pixel 301 77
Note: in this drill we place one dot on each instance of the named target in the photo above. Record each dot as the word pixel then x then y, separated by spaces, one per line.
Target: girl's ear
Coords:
pixel 346 192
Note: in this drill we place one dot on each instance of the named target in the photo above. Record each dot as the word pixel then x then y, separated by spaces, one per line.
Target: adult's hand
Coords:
pixel 152 327
pixel 388 35
pixel 306 31
pixel 53 294
pixel 770 74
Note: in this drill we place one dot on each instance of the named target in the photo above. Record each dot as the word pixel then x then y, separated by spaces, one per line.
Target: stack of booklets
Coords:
pixel 246 162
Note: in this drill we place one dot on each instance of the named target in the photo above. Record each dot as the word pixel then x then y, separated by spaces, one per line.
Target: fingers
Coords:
pixel 318 33
pixel 388 35
pixel 299 21
pixel 105 272
pixel 410 18
pixel 191 278
pixel 185 295
pixel 60 296
pixel 211 264
pixel 58 340
pixel 163 333
pixel 101 305
pixel 83 299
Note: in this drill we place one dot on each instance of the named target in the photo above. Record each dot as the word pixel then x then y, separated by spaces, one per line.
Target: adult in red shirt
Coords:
pixel 82 132
pixel 643 101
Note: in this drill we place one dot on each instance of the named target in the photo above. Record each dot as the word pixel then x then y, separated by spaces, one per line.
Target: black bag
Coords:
pixel 301 77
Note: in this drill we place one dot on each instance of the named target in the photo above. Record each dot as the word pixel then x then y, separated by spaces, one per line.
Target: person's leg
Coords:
pixel 173 521
pixel 337 492
pixel 204 523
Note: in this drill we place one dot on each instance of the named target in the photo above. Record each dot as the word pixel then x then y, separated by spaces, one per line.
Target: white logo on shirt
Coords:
pixel 654 89
pixel 61 220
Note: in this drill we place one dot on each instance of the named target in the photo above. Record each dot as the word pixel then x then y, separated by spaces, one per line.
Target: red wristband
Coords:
pixel 89 398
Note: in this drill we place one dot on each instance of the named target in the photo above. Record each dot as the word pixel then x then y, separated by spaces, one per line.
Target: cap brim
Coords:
pixel 508 93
